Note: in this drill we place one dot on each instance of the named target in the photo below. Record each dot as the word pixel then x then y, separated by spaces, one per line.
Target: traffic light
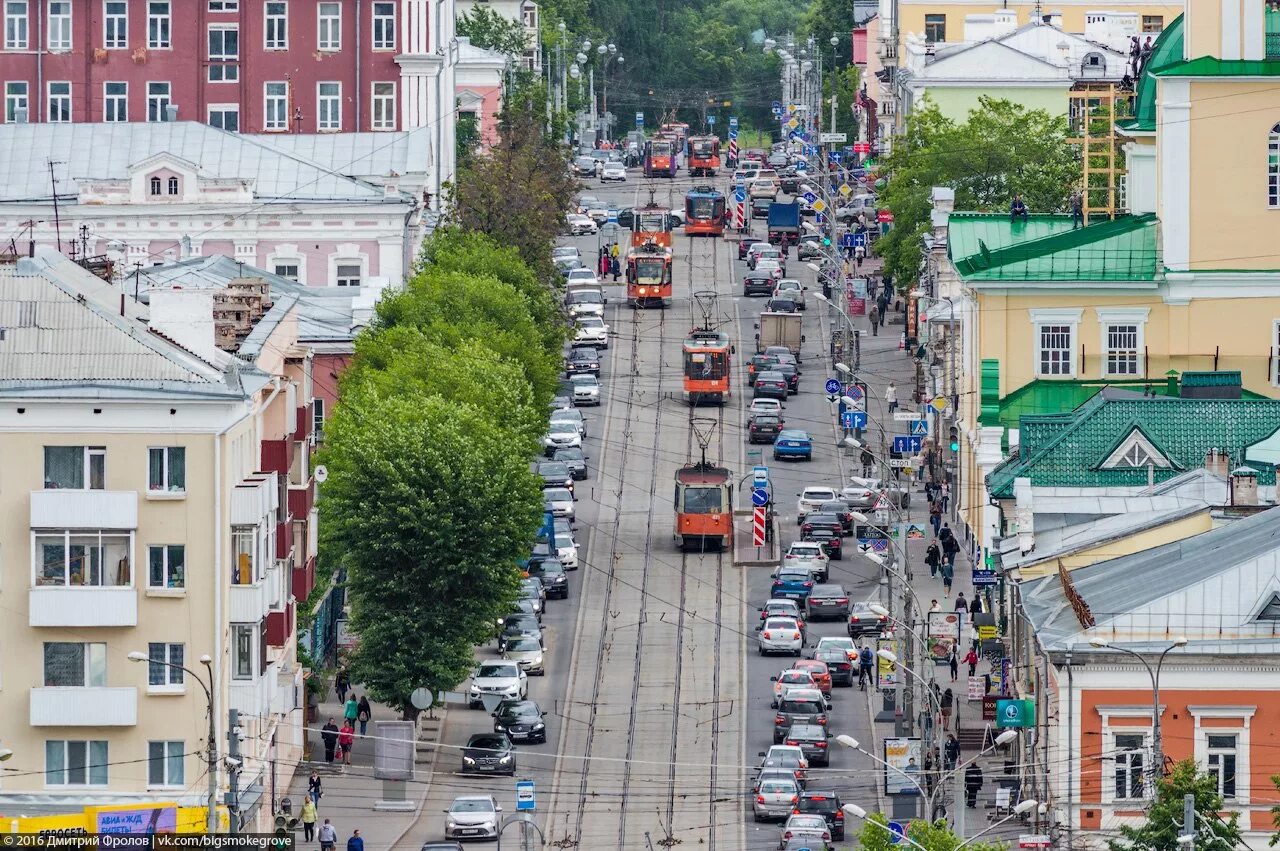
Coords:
pixel 955 439
pixel 826 242
pixel 285 824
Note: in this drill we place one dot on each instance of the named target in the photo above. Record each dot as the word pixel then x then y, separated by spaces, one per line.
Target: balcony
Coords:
pixel 302 427
pixel 284 539
pixel 304 579
pixel 87 606
pixel 87 509
pixel 277 456
pixel 280 626
pixel 84 707
pixel 248 603
pixel 301 500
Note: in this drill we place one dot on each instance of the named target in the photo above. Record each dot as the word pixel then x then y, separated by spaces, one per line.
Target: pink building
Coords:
pixel 479 81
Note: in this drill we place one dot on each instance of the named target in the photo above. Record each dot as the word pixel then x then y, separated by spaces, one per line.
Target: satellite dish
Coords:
pixel 321 473
pixel 422 698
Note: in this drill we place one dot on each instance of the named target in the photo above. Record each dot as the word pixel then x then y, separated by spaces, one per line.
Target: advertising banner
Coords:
pixel 887 672
pixel 944 635
pixel 160 819
pixel 903 766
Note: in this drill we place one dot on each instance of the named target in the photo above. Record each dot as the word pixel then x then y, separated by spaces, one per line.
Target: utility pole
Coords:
pixel 234 761
pixel 57 218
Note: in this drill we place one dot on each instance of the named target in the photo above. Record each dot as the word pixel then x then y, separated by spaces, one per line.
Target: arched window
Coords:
pixel 1273 167
pixel 173 186
pixel 155 186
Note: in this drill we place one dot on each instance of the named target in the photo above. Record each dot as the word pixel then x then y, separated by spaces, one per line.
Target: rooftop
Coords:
pixel 1166 51
pixel 992 247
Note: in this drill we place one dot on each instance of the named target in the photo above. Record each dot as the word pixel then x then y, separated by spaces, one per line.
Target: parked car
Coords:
pixel 793 443
pixel 489 753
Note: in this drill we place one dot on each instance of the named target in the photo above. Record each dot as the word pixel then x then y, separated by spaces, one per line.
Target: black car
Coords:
pixel 763 428
pixel 770 384
pixel 781 305
pixel 759 364
pixel 758 283
pixel 864 621
pixel 626 217
pixel 760 207
pixel 521 720
pixel 441 846
pixel 825 803
pixel 791 374
pixel 811 739
pixel 840 508
pixel 789 181
pixel 553 576
pixel 555 474
pixel 839 664
pixel 824 529
pixel 489 753
pixel 582 360
pixel 572 457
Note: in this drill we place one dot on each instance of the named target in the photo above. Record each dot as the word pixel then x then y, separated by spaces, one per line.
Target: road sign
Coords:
pixel 906 416
pixel 846 240
pixel 733 122
pixel 856 392
pixel 896 832
pixel 711 119
pixel 819 205
pixel 759 496
pixel 612 217
pixel 845 189
pixel 757 526
pixel 827 138
pixel 984 577
pixel 739 195
pixel 524 796
pixel 422 698
pixel 835 156
pixel 639 119
pixel 832 385
pixel 760 475
pixel 810 197
pixel 906 443
pixel 854 419
pixel 802 166
pixel 793 124
pixel 939 403
pixel 777 105
pixel 900 463
pixel 919 428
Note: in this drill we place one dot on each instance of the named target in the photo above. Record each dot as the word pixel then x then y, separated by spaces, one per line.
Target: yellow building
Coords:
pixel 939 20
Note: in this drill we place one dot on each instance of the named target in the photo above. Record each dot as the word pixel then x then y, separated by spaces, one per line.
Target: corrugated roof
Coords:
pixel 1166 50
pixel 990 247
pixel 355 154
pixel 106 151
pixel 1212 66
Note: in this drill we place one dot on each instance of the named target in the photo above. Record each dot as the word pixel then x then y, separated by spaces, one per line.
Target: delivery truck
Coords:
pixel 779 329
pixel 784 224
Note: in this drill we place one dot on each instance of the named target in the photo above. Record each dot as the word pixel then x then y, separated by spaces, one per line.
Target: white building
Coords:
pixel 526 13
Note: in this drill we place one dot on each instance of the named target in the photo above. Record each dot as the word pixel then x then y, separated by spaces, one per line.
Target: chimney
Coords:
pixel 171 112
pixel 1216 461
pixel 186 317
pixel 1242 486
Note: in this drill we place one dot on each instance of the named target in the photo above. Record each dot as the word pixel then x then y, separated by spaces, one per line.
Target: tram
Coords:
pixel 649 276
pixel 651 223
pixel 704 211
pixel 707 366
pixel 660 159
pixel 704 507
pixel 678 130
pixel 704 156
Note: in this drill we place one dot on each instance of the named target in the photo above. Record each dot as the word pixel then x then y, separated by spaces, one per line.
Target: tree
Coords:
pixel 1002 148
pixel 487 29
pixel 936 836
pixel 429 507
pixel 467 135
pixel 1164 816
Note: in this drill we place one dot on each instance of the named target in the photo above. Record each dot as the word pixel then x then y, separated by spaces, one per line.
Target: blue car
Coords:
pixel 791 583
pixel 793 443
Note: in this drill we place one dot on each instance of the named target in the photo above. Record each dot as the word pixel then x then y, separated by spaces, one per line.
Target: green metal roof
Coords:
pixel 989 247
pixel 1223 378
pixel 1212 66
pixel 1067 450
pixel 1166 51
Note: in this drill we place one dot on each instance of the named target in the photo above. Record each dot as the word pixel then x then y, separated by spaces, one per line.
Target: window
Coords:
pixel 287 270
pixel 1122 349
pixel 1055 349
pixel 115 102
pixel 173 186
pixel 276 102
pixel 317 420
pixel 115 24
pixel 384 106
pixel 384 26
pixel 244 554
pixel 1273 168
pixel 330 24
pixel 15 101
pixel 224 53
pixel 15 25
pixel 164 764
pixel 1152 23
pixel 75 763
pixel 155 186
pixel 277 26
pixel 1271 32
pixel 82 557
pixel 224 5
pixel 167 465
pixel 1270 610
pixel 348 275
pixel 75 467
pixel 935 28
pixel 225 117
pixel 1129 751
pixel 1221 762
pixel 59 26
pixel 167 566
pixel 242 654
pixel 157 102
pixel 158 25
pixel 59 102
pixel 328 106
pixel 71 664
pixel 1136 452
pixel 158 672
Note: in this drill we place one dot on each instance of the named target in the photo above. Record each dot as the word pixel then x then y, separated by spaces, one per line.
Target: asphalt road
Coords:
pixel 656 701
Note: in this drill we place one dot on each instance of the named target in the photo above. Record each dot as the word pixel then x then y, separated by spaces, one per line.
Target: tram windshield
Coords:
pixel 652 222
pixel 701 208
pixel 703 148
pixel 660 149
pixel 649 271
pixel 704 365
pixel 702 500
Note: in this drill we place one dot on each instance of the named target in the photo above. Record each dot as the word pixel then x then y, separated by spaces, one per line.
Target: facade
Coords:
pixel 143 194
pixel 161 504
pixel 939 20
pixel 479 76
pixel 524 12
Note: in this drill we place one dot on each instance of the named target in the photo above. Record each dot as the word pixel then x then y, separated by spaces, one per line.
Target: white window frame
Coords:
pixel 221 7
pixel 238 630
pixel 317 417
pixel 348 254
pixel 348 264
pixel 239 536
pixel 173 679
pixel 1113 749
pixel 17 25
pixel 1243 733
pixel 1109 317
pixel 62 99
pixel 383 25
pixel 110 102
pixel 170 750
pixel 1054 316
pixel 271 22
pixel 379 119
pixel 14 101
pixel 165 551
pixel 94 654
pixel 58 31
pixel 159 101
pixel 115 27
pixel 328 27
pixel 39 537
pixel 275 123
pixel 89 454
pixel 223 66
pixel 101 762
pixel 287 263
pixel 224 109
pixel 328 107
pixel 163 24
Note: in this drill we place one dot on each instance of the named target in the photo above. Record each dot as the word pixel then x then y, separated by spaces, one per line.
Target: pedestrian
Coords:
pixel 962 605
pixel 866 668
pixel 891 397
pixel 975 605
pixel 603 268
pixel 615 268
pixel 328 836
pixel 935 516
pixel 947 702
pixel 948 576
pixel 614 251
pixel 315 789
pixel 329 735
pixel 346 738
pixel 364 713
pixel 954 662
pixel 950 546
pixel 971 659
pixel 308 819
pixel 356 842
pixel 874 318
pixel 351 709
pixel 946 496
pixel 933 558
pixel 341 682
pixel 972 784
pixel 951 752
pixel 868 462
pixel 1077 210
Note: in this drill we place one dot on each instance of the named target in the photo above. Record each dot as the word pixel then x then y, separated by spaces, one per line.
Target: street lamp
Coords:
pixel 1157 743
pixel 5 754
pixel 211 757
pixel 1021 808
pixel 852 743
pixel 859 812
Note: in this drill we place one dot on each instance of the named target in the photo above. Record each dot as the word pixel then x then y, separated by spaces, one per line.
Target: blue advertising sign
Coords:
pixel 904 443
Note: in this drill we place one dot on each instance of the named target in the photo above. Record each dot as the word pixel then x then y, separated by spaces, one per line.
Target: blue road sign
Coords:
pixel 819 218
pixel 733 122
pixel 984 577
pixel 810 197
pixel 802 166
pixel 833 385
pixel 835 156
pixel 846 240
pixel 777 105
pixel 711 119
pixel 903 443
pixel 759 496
pixel 896 832
pixel 760 475
pixel 639 119
pixel 794 134
pixel 739 195
pixel 855 392
pixel 524 796
pixel 613 216
pixel 853 419
pixel 919 428
pixel 859 239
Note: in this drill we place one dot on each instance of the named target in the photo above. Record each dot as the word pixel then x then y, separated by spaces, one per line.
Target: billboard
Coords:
pixel 887 672
pixel 944 635
pixel 902 766
pixel 157 819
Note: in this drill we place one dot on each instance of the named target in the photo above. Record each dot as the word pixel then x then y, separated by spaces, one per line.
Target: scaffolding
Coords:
pixel 1093 113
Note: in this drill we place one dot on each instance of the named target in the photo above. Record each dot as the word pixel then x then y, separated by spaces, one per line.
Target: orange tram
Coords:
pixel 707 356
pixel 704 507
pixel 704 156
pixel 704 211
pixel 649 276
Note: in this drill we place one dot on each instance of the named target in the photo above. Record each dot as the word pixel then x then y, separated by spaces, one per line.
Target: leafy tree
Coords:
pixel 935 836
pixel 1001 149
pixel 467 134
pixel 1160 832
pixel 487 29
pixel 826 17
pixel 429 507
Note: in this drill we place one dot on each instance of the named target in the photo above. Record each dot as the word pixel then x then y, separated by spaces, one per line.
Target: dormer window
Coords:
pixel 155 186
pixel 173 186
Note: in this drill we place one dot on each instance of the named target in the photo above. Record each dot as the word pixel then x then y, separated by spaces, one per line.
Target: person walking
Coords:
pixel 868 463
pixel 945 490
pixel 603 267
pixel 975 605
pixel 948 576
pixel 962 605
pixel 934 606
pixel 614 251
pixel 364 713
pixel 341 682
pixel 891 397
pixel 615 268
pixel 933 558
pixel 972 785
pixel 329 735
pixel 308 819
pixel 935 516
pixel 866 668
pixel 954 662
pixel 874 318
pixel 328 836
pixel 351 709
pixel 950 546
pixel 315 789
pixel 971 659
pixel 356 842
pixel 947 703
pixel 346 738
pixel 951 752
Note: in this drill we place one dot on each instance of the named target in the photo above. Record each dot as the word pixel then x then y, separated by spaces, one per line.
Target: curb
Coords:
pixel 426 784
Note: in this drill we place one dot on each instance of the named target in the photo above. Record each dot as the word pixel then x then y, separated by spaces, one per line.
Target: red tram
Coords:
pixel 704 156
pixel 707 366
pixel 651 223
pixel 704 211
pixel 660 158
pixel 649 276
pixel 704 507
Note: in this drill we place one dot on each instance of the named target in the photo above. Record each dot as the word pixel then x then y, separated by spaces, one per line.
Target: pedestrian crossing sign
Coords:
pixel 919 428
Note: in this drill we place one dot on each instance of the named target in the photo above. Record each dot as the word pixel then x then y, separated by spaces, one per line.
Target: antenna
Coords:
pixel 704 428
pixel 57 220
pixel 706 300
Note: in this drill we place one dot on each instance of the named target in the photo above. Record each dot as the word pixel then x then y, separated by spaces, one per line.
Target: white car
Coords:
pixel 591 331
pixel 583 277
pixel 765 406
pixel 764 264
pixel 781 635
pixel 744 175
pixel 585 301
pixel 565 252
pixel 753 253
pixel 811 498
pixel 598 213
pixel 571 416
pixel 561 435
pixel 808 826
pixel 472 817
pixel 613 171
pixel 527 651
pixel 580 225
pixel 792 289
pixel 559 501
pixel 500 677
pixel 566 546
pixel 838 642
pixel 809 555
pixel 586 389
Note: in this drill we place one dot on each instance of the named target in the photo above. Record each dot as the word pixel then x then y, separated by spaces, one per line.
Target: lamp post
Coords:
pixel 1157 744
pixel 1022 808
pixel 859 812
pixel 852 743
pixel 211 756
